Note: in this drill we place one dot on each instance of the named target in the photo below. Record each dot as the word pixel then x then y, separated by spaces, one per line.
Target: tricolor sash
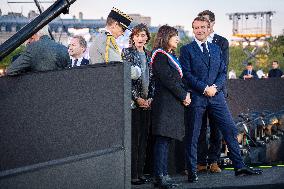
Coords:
pixel 173 60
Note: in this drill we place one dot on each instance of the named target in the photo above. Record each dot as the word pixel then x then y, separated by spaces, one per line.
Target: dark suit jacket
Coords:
pixel 83 62
pixel 223 43
pixel 245 72
pixel 275 73
pixel 167 108
pixel 42 55
pixel 198 73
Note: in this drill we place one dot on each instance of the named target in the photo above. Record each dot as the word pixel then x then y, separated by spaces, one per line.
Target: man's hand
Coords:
pixel 211 91
pixel 187 100
pixel 248 76
pixel 2 72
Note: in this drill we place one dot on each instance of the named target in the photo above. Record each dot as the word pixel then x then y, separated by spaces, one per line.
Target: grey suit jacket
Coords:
pixel 98 49
pixel 42 55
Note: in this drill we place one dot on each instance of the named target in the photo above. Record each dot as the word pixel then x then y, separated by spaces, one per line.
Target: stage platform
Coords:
pixel 271 178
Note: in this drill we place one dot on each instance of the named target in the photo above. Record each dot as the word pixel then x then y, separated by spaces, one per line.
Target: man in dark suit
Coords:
pixel 43 54
pixel 204 75
pixel 76 50
pixel 275 71
pixel 249 72
pixel 210 155
pixel 222 42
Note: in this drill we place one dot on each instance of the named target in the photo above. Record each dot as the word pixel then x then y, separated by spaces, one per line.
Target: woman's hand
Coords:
pixel 142 103
pixel 187 100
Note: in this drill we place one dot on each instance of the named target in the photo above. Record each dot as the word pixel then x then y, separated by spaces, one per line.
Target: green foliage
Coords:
pixel 237 56
pixel 151 42
pixel 182 42
pixel 8 59
pixel 276 50
pixel 263 59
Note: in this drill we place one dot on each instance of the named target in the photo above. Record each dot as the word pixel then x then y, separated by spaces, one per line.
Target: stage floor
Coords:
pixel 271 178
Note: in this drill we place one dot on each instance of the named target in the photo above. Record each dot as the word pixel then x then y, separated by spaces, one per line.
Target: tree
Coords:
pixel 8 59
pixel 262 60
pixel 237 56
pixel 276 50
pixel 182 42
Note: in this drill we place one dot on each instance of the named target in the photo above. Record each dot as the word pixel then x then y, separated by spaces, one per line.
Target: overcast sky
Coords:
pixel 177 12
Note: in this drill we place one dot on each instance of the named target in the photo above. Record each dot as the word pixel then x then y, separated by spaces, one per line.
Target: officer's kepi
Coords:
pixel 120 17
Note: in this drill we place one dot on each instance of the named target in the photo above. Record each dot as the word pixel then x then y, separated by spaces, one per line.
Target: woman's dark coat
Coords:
pixel 167 107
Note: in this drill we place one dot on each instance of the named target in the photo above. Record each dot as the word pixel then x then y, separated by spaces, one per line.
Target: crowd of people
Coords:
pixel 165 88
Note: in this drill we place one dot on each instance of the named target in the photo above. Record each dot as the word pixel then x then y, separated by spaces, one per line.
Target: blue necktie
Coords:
pixel 205 51
pixel 75 62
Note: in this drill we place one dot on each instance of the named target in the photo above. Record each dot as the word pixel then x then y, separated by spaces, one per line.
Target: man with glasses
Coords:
pixel 104 49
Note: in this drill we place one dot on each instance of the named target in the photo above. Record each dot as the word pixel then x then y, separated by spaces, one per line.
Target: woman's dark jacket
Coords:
pixel 131 55
pixel 167 107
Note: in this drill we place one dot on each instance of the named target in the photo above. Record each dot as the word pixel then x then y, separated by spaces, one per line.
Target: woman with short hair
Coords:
pixel 142 93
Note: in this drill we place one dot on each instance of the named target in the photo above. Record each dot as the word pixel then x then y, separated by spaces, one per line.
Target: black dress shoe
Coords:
pixel 247 171
pixel 192 177
pixel 145 179
pixel 137 181
pixel 165 182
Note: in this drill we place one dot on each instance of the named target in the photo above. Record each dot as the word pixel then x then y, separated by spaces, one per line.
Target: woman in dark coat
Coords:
pixel 142 94
pixel 169 100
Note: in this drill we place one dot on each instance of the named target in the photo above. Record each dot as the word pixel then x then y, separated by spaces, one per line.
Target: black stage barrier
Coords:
pixel 255 95
pixel 66 129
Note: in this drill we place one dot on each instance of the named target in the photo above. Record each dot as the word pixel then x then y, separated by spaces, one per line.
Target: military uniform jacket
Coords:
pixel 99 47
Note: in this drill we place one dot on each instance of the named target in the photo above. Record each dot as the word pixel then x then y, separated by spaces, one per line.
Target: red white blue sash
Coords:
pixel 173 60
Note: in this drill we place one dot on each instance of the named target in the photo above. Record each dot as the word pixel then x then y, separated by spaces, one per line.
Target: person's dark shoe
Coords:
pixel 145 179
pixel 192 177
pixel 165 182
pixel 247 171
pixel 137 181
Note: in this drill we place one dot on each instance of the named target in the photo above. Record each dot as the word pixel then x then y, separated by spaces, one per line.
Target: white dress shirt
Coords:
pixel 210 37
pixel 199 44
pixel 78 62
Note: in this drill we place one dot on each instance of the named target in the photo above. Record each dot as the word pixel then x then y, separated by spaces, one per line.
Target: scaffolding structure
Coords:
pixel 250 30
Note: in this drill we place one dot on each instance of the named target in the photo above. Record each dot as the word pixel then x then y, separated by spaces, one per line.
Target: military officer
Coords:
pixel 104 49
